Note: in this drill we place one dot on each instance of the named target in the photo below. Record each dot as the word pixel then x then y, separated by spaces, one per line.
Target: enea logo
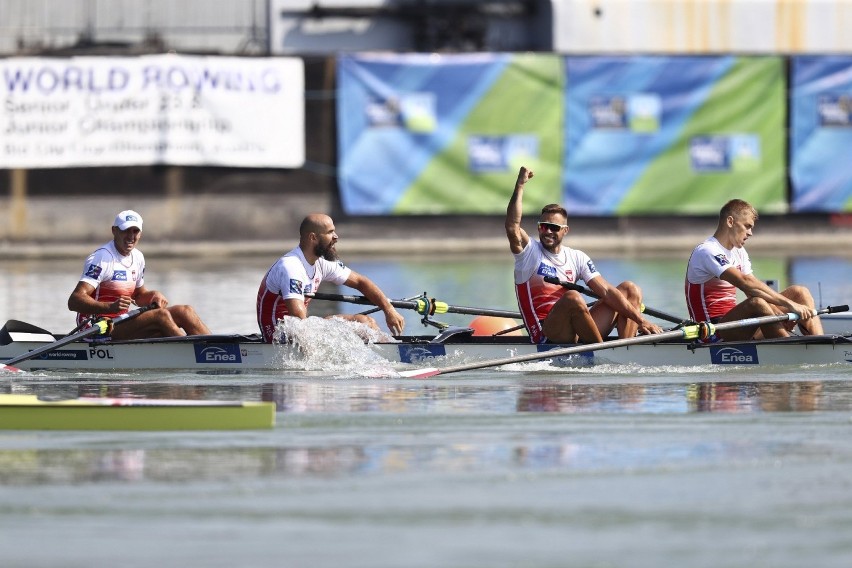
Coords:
pixel 222 353
pixel 420 353
pixel 729 355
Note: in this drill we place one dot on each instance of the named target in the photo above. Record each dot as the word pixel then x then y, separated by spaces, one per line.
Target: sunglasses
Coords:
pixel 553 227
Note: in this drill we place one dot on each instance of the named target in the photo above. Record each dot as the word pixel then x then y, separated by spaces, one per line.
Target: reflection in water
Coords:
pixel 410 398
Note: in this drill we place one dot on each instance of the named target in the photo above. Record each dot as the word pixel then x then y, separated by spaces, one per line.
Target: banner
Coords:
pixel 433 134
pixel 156 109
pixel 821 133
pixel 660 135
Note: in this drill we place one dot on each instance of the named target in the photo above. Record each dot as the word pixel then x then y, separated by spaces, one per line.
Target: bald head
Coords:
pixel 314 223
pixel 317 237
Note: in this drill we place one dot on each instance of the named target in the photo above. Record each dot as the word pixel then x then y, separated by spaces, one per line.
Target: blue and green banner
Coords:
pixel 821 133
pixel 437 134
pixel 659 135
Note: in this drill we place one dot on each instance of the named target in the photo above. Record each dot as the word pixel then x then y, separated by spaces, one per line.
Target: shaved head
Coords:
pixel 314 223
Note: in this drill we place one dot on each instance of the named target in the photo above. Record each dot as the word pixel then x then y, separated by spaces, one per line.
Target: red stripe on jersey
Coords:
pixel 527 308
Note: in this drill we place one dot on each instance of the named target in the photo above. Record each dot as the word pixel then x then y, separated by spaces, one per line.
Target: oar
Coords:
pixel 377 309
pixel 100 327
pixel 587 292
pixel 695 331
pixel 423 306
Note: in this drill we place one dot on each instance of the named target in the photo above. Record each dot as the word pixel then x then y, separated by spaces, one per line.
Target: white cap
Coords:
pixel 127 219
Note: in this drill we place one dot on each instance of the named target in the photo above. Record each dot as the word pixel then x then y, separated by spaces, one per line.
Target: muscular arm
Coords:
pixel 755 288
pixel 518 238
pixel 81 301
pixel 296 308
pixel 394 321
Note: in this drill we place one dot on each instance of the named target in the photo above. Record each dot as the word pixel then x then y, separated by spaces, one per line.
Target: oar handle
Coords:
pixel 642 308
pixel 423 306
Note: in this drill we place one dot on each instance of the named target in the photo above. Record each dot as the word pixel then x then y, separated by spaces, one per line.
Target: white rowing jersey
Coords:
pixel 112 275
pixel 535 296
pixel 707 296
pixel 291 277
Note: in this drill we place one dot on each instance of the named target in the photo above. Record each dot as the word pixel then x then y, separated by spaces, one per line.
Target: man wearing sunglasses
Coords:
pixel 552 313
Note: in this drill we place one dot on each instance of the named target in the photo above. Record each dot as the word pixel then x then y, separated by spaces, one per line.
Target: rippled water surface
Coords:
pixel 525 465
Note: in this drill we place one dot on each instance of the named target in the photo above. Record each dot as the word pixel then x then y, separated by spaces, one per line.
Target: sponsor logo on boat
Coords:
pixel 585 359
pixel 729 355
pixel 420 353
pixel 64 355
pixel 218 353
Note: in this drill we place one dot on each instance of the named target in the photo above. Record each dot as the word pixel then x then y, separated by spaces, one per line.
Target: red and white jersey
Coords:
pixel 291 277
pixel 535 296
pixel 707 295
pixel 112 275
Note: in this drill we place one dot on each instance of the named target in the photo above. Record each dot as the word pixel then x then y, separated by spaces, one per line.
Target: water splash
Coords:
pixel 333 345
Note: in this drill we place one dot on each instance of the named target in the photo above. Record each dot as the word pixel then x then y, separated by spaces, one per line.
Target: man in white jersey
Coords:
pixel 300 272
pixel 114 278
pixel 720 265
pixel 551 313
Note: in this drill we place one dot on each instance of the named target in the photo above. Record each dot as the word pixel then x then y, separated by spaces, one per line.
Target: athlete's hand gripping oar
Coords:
pixel 422 306
pixel 643 308
pixel 695 331
pixel 102 326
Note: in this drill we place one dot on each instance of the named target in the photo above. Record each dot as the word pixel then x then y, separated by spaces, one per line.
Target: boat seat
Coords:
pixel 15 330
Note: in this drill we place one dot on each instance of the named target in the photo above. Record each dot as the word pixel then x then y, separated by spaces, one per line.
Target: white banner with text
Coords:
pixel 155 109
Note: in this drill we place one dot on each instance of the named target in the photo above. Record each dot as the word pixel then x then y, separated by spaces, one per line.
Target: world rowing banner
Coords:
pixel 821 133
pixel 156 109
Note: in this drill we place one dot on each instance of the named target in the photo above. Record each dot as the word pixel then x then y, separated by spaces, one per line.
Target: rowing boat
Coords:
pixel 28 412
pixel 222 354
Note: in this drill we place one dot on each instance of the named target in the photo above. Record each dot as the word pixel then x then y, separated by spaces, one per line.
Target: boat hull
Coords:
pixel 239 354
pixel 27 412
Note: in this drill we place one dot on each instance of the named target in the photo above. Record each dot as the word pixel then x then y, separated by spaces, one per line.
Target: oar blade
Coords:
pixel 9 369
pixel 420 373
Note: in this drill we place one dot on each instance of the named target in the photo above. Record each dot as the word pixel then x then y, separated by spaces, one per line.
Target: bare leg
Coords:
pixel 570 321
pixel 186 318
pixel 153 323
pixel 360 318
pixel 752 307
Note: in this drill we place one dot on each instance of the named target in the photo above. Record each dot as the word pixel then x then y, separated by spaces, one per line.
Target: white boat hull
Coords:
pixel 237 354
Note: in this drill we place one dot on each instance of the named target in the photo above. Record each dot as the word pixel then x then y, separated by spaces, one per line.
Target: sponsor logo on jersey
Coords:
pixel 730 355
pixel 93 271
pixel 721 259
pixel 218 353
pixel 120 275
pixel 591 266
pixel 295 286
pixel 545 269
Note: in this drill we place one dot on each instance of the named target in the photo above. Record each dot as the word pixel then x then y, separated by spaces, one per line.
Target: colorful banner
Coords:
pixel 660 135
pixel 157 109
pixel 821 133
pixel 433 134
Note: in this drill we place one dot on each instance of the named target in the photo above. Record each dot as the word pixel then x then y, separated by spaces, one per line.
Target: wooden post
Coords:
pixel 18 204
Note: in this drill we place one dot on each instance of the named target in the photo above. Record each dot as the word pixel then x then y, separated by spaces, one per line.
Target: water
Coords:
pixel 517 466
